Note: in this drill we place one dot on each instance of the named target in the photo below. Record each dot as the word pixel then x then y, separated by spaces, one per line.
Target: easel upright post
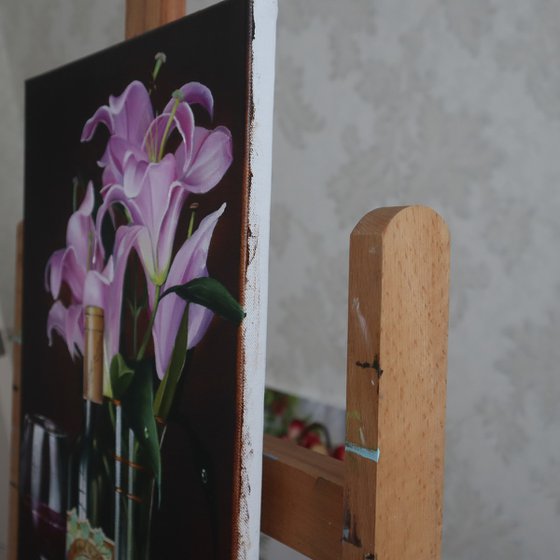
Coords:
pixel 397 366
pixel 145 15
pixel 13 518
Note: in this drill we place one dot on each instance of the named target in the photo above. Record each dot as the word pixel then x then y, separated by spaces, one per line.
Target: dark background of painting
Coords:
pixel 195 520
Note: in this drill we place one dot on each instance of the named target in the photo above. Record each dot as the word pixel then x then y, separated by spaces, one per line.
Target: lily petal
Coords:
pixel 83 251
pixel 148 185
pixel 168 225
pixel 195 93
pixel 64 267
pixel 115 195
pixel 105 289
pixel 189 263
pixel 115 156
pixel 183 121
pixel 212 156
pixel 68 322
pixel 127 115
pixel 158 200
pixel 80 232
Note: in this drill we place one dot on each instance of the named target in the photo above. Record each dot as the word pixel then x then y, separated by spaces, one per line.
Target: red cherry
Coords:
pixel 295 428
pixel 338 452
pixel 310 439
pixel 279 406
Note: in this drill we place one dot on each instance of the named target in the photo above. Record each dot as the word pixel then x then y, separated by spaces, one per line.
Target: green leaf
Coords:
pixel 165 394
pixel 121 376
pixel 138 413
pixel 211 294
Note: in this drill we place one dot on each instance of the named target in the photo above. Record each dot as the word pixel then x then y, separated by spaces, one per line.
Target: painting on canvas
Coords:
pixel 146 233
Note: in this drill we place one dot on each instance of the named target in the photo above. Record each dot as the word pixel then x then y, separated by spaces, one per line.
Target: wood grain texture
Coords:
pixel 396 385
pixel 302 499
pixel 12 541
pixel 144 15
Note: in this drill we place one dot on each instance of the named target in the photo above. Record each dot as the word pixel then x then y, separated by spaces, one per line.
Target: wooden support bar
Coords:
pixel 13 519
pixel 302 499
pixel 396 385
pixel 144 15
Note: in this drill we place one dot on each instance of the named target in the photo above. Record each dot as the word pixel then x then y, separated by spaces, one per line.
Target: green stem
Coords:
pixel 135 332
pixel 192 207
pixel 75 186
pixel 165 394
pixel 135 313
pixel 150 326
pixel 112 414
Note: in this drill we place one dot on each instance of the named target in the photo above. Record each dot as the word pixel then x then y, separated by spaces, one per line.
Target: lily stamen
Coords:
pixel 179 97
pixel 151 147
pixel 160 61
pixel 192 207
pixel 91 254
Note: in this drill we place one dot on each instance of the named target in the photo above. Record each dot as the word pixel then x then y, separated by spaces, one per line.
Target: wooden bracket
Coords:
pixel 389 497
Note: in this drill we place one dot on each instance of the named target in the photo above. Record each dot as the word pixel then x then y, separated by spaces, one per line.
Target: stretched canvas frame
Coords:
pixel 256 21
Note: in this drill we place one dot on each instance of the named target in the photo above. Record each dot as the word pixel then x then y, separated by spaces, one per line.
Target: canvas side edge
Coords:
pixel 262 52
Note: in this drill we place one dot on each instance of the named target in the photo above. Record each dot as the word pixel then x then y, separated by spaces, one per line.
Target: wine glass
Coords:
pixel 44 485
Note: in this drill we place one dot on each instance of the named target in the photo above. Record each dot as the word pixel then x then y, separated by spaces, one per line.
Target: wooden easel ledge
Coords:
pixel 302 495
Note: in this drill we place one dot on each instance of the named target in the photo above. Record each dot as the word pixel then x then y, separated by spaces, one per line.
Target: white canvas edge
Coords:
pixel 256 293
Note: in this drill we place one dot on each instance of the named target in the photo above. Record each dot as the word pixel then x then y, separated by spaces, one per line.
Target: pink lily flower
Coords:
pixel 189 263
pixel 68 322
pixel 151 186
pixel 105 288
pixel 203 155
pixel 153 199
pixel 69 266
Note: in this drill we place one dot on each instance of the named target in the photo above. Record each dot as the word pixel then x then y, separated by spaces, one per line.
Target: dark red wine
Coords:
pixel 44 481
pixel 49 531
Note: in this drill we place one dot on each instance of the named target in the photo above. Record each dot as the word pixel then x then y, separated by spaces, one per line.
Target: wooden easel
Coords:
pixel 384 502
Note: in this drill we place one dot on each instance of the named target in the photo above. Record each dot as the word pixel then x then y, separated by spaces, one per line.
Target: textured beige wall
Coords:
pixel 450 103
pixel 454 104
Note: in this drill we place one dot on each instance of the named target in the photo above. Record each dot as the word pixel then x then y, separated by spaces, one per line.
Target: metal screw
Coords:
pixel 204 476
